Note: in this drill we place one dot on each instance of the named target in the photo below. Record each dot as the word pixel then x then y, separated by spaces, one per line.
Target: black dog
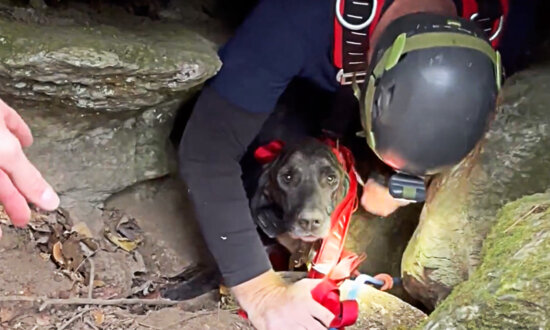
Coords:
pixel 298 191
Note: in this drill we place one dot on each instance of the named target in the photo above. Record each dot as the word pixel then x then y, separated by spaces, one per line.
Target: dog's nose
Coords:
pixel 310 220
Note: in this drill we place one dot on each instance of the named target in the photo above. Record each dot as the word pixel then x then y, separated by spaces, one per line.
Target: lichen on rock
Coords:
pixel 89 65
pixel 511 287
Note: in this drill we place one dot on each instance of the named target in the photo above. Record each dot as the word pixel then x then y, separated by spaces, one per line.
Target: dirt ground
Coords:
pixel 54 275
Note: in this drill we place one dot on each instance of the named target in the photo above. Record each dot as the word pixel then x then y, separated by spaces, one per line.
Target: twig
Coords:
pixel 148 326
pixel 522 217
pixel 87 301
pixel 90 324
pixel 72 319
pixel 83 261
pixel 105 302
pixel 91 283
pixel 17 298
pixel 197 315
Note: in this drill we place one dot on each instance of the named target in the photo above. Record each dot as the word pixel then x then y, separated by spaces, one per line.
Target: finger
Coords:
pixel 312 324
pixel 16 124
pixel 24 176
pixel 0 232
pixel 15 205
pixel 321 313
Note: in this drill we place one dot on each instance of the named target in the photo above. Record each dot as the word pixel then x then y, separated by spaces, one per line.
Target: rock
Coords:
pixel 88 157
pixel 461 206
pixel 511 287
pixel 90 66
pixel 100 93
pixel 162 209
pixel 383 240
pixel 116 270
pixel 381 310
pixel 174 318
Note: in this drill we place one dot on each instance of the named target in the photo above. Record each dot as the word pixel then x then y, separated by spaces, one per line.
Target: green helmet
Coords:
pixel 432 89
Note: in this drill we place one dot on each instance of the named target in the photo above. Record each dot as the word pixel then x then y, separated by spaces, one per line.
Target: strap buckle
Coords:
pixel 498 30
pixel 346 78
pixel 356 27
pixel 323 269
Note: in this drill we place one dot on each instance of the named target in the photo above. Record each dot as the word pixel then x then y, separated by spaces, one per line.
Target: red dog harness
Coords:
pixel 355 21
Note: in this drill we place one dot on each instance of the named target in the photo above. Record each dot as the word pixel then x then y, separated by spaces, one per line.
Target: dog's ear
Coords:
pixel 343 188
pixel 266 214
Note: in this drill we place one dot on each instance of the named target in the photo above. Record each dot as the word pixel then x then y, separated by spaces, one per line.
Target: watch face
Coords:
pixel 408 188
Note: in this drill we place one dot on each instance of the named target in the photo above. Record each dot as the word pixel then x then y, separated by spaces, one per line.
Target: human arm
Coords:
pixel 259 62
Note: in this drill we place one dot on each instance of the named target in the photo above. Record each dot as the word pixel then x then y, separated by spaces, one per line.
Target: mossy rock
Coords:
pixel 461 207
pixel 511 287
pixel 93 63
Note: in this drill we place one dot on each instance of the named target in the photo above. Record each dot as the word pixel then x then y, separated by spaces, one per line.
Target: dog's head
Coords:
pixel 299 190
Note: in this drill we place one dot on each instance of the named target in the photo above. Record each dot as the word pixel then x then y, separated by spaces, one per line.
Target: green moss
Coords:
pixel 120 66
pixel 129 46
pixel 511 287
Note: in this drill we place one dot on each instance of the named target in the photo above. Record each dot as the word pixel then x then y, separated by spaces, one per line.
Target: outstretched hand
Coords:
pixel 376 199
pixel 20 182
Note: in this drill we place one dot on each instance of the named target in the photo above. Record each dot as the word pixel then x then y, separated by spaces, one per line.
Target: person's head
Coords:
pixel 432 89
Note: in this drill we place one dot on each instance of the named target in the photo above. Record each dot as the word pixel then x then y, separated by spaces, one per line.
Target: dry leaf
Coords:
pixel 98 315
pixel 72 253
pixel 82 229
pixel 98 283
pixel 42 239
pixel 43 320
pixel 121 242
pixel 6 314
pixel 129 229
pixel 58 254
pixel 40 227
pixel 89 244
pixel 224 291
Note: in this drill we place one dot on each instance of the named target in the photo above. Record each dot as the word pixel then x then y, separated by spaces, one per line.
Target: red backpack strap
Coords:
pixel 489 15
pixel 354 22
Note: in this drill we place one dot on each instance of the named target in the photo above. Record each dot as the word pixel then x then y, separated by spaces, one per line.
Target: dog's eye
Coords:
pixel 287 177
pixel 331 179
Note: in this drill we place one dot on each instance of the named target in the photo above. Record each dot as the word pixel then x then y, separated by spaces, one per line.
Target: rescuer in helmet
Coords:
pixel 426 78
pixel 425 74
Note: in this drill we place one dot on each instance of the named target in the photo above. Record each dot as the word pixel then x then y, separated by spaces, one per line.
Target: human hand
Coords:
pixel 20 181
pixel 377 200
pixel 271 304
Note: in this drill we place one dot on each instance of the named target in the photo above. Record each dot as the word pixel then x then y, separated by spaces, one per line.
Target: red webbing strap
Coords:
pixel 352 31
pixel 381 4
pixel 331 249
pixel 328 295
pixel 267 153
pixel 338 263
pixel 338 40
pixel 469 7
pixel 505 9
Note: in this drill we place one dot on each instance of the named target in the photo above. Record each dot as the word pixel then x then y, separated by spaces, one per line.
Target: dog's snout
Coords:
pixel 310 221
